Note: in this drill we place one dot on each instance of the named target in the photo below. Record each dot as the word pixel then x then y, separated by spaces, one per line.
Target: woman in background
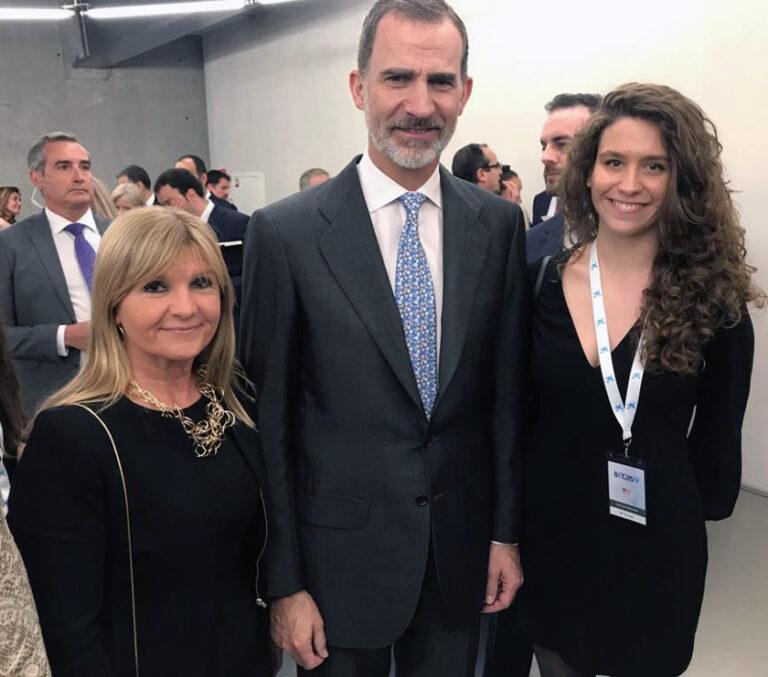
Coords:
pixel 10 205
pixel 136 503
pixel 646 314
pixel 102 201
pixel 21 643
pixel 126 197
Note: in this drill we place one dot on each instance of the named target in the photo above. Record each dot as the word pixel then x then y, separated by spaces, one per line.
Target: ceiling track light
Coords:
pixel 167 9
pixel 82 9
pixel 33 14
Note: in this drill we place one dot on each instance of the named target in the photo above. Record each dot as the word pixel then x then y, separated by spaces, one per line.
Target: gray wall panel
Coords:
pixel 147 112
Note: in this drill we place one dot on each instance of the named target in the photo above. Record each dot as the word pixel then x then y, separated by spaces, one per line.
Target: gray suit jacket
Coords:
pixel 34 301
pixel 359 484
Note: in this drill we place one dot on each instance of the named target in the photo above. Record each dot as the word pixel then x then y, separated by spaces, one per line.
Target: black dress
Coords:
pixel 197 532
pixel 610 596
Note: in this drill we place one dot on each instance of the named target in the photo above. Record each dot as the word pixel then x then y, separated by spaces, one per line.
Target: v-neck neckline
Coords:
pixel 575 332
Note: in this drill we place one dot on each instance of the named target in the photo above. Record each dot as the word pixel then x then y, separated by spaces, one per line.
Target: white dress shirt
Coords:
pixel 207 212
pixel 387 213
pixel 151 200
pixel 552 210
pixel 79 294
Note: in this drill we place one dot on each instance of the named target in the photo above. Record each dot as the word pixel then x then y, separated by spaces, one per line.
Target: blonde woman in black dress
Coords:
pixel 136 502
pixel 642 355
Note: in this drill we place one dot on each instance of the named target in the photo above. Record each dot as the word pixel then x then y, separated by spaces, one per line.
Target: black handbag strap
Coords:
pixel 128 531
pixel 540 276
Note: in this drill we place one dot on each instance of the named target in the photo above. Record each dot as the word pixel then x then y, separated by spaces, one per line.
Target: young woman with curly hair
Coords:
pixel 641 363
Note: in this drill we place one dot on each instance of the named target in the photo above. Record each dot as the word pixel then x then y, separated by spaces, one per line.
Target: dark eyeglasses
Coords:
pixel 495 165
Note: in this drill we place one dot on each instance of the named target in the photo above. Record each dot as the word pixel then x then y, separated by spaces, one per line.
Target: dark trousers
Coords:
pixel 509 651
pixel 431 646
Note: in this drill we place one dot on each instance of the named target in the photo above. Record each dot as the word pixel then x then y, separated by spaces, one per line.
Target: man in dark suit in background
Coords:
pixel 384 330
pixel 139 177
pixel 179 188
pixel 219 184
pixel 195 165
pixel 566 114
pixel 46 270
pixel 478 164
pixel 540 208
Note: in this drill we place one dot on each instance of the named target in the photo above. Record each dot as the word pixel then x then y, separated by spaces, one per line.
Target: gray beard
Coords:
pixel 411 155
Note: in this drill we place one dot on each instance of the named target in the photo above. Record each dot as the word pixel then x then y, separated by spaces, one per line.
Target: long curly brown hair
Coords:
pixel 700 280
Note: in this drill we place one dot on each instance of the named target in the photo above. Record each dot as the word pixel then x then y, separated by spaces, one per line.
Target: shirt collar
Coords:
pixel 206 215
pixel 59 223
pixel 380 190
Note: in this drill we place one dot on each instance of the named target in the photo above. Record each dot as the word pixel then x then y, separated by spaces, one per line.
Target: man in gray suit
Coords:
pixel 46 269
pixel 383 324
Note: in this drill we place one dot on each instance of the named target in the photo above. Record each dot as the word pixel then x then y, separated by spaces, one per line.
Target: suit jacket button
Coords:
pixel 422 500
pixel 427 443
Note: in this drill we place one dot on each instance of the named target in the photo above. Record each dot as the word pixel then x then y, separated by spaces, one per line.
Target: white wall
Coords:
pixel 293 109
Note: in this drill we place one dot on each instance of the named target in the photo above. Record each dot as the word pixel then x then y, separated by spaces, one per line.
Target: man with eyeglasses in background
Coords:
pixel 478 164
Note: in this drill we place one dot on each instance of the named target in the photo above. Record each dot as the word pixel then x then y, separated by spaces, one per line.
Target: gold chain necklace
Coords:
pixel 207 434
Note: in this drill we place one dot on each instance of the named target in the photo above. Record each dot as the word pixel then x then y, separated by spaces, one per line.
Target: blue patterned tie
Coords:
pixel 86 256
pixel 415 299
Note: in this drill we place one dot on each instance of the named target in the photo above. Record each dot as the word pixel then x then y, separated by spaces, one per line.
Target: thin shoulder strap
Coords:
pixel 540 276
pixel 128 532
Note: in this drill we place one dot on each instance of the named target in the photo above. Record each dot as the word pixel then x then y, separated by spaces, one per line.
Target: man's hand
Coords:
pixel 505 576
pixel 77 335
pixel 297 627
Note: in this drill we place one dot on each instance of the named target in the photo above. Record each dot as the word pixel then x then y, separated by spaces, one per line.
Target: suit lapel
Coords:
pixel 554 232
pixel 39 232
pixel 352 252
pixel 465 245
pixel 101 224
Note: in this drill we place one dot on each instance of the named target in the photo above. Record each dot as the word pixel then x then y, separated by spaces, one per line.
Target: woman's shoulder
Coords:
pixel 75 424
pixel 62 439
pixel 547 268
pixel 733 336
pixel 66 414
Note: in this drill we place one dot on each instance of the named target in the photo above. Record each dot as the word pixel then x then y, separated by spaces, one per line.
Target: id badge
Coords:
pixel 626 487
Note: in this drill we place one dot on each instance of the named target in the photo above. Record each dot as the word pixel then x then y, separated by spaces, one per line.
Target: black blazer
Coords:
pixel 33 303
pixel 230 226
pixel 67 515
pixel 540 207
pixel 546 239
pixel 221 202
pixel 359 483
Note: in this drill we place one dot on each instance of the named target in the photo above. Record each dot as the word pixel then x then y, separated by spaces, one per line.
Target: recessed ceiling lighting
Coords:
pixel 33 14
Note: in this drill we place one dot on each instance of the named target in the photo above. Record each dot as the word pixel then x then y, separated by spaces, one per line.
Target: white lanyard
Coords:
pixel 623 411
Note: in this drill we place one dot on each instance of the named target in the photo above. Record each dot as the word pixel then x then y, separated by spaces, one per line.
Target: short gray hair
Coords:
pixel 425 11
pixel 310 174
pixel 36 155
pixel 129 191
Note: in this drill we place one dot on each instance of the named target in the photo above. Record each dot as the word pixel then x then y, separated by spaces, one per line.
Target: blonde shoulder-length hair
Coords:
pixel 139 245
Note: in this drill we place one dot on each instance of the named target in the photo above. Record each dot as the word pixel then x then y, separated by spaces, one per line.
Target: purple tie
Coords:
pixel 83 251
